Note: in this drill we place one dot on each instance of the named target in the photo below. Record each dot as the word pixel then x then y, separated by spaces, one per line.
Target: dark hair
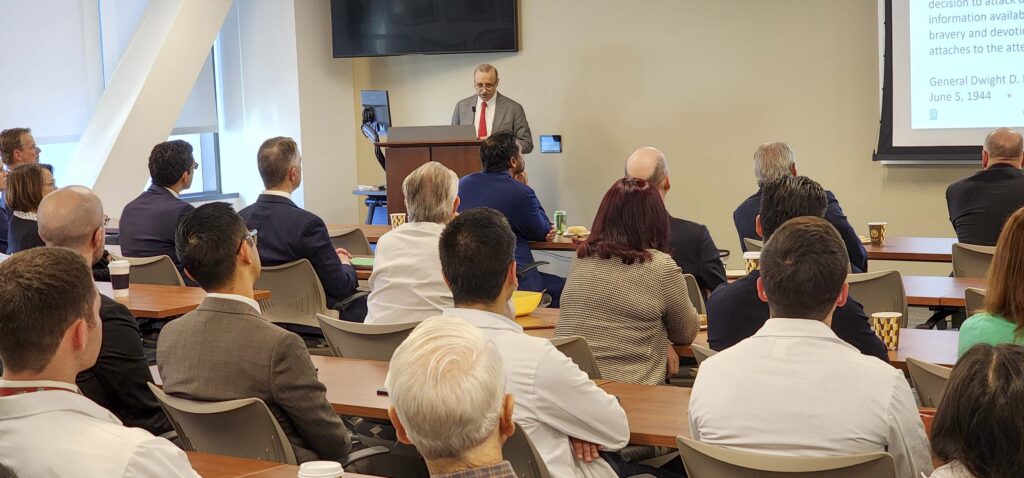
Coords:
pixel 169 160
pixel 497 150
pixel 803 267
pixel 6 472
pixel 10 141
pixel 789 197
pixel 476 248
pixel 275 159
pixel 25 187
pixel 207 242
pixel 980 422
pixel 631 219
pixel 44 290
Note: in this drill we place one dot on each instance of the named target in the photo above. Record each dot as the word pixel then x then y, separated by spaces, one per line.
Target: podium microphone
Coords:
pixel 474 109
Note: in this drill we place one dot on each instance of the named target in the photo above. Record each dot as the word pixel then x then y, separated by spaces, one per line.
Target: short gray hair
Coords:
pixel 430 193
pixel 773 161
pixel 447 384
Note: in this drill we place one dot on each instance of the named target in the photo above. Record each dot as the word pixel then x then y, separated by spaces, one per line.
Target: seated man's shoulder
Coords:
pixel 727 293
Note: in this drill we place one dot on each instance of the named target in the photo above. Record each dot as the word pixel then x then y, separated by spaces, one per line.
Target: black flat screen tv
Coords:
pixel 365 28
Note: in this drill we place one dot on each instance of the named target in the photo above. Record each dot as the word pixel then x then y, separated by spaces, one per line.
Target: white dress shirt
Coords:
pixel 406 284
pixel 795 388
pixel 278 193
pixel 555 400
pixel 489 114
pixel 61 433
pixel 173 192
pixel 238 298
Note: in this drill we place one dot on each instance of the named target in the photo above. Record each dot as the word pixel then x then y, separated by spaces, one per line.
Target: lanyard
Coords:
pixel 12 391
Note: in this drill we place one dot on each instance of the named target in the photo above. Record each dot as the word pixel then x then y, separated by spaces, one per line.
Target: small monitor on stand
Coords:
pixel 376 111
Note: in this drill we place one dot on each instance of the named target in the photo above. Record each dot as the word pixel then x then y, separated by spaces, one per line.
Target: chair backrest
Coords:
pixel 296 295
pixel 696 294
pixel 929 380
pixel 970 260
pixel 243 428
pixel 352 240
pixel 701 353
pixel 753 245
pixel 363 341
pixel 880 291
pixel 525 460
pixel 975 299
pixel 578 350
pixel 156 270
pixel 703 460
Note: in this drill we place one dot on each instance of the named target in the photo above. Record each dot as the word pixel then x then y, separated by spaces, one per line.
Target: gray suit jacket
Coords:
pixel 224 350
pixel 508 116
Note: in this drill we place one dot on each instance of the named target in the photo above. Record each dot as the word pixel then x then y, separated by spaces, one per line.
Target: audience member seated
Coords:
pixel 735 311
pixel 625 294
pixel 797 389
pixel 49 333
pixel 978 429
pixel 17 147
pixel 289 233
pixel 558 406
pixel 147 224
pixel 502 185
pixel 72 217
pixel 27 185
pixel 1002 320
pixel 407 284
pixel 776 160
pixel 690 243
pixel 225 350
pixel 447 388
pixel 978 205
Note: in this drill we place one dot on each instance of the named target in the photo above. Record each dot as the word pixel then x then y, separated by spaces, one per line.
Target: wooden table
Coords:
pixel 543 318
pixel 656 414
pixel 209 465
pixel 374 231
pixel 162 301
pixel 935 346
pixel 913 249
pixel 938 290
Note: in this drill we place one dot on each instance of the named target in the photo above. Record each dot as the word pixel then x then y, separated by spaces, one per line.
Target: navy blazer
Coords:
pixel 519 203
pixel 288 233
pixel 149 222
pixel 747 212
pixel 23 234
pixel 5 223
pixel 979 205
pixel 696 253
pixel 735 312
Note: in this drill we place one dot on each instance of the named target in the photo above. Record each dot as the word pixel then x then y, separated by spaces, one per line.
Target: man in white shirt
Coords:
pixel 406 283
pixel 49 332
pixel 557 405
pixel 795 388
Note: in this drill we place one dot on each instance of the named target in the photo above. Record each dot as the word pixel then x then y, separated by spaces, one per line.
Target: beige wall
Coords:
pixel 704 81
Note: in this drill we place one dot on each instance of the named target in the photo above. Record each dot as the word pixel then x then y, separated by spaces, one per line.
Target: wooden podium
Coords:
pixel 461 156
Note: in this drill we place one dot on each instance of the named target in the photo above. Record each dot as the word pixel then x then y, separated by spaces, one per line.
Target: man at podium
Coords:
pixel 490 112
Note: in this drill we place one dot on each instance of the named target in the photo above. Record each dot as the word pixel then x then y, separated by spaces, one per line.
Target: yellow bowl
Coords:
pixel 525 302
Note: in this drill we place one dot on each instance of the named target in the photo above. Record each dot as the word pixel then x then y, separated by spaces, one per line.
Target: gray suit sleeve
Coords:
pixel 455 115
pixel 522 129
pixel 300 394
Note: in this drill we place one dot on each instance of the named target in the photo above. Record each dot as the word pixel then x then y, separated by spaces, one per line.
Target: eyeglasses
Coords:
pixel 106 221
pixel 34 146
pixel 252 237
pixel 485 86
pixel 195 165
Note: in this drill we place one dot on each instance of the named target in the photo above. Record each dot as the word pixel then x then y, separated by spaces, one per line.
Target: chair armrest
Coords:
pixel 363 454
pixel 343 303
pixel 528 267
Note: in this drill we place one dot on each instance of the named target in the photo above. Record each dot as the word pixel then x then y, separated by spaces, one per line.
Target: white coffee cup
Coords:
pixel 119 274
pixel 321 469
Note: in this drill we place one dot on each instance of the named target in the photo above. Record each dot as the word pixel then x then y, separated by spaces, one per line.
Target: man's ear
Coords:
pixel 400 432
pixel 760 290
pixel 792 169
pixel 513 275
pixel 757 227
pixel 506 427
pixel 78 333
pixel 99 238
pixel 189 275
pixel 455 207
pixel 843 295
pixel 667 184
pixel 984 159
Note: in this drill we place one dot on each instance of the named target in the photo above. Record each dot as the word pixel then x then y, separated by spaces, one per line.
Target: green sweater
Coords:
pixel 988 329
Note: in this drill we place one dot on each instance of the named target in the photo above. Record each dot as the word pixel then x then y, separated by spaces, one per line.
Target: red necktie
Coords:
pixel 481 131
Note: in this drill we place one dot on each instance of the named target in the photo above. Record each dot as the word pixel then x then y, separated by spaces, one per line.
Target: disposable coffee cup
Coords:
pixel 321 469
pixel 119 273
pixel 887 327
pixel 876 232
pixel 752 259
pixel 397 219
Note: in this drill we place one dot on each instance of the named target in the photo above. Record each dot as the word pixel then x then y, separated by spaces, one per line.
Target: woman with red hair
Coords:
pixel 625 295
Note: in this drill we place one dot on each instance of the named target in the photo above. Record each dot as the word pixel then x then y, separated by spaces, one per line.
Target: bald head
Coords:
pixel 1004 145
pixel 649 164
pixel 72 217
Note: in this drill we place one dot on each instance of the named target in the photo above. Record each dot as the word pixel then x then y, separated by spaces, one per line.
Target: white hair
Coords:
pixel 447 384
pixel 430 193
pixel 773 161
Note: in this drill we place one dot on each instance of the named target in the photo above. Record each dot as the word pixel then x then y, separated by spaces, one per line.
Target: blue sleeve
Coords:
pixel 858 255
pixel 852 324
pixel 531 219
pixel 712 271
pixel 339 280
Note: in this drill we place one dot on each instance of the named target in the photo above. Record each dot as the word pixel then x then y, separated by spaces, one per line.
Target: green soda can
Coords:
pixel 560 222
